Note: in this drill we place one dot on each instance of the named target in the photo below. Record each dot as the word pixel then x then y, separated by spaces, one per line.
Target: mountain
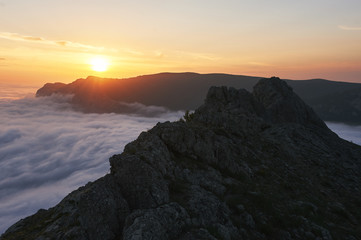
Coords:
pixel 258 165
pixel 182 91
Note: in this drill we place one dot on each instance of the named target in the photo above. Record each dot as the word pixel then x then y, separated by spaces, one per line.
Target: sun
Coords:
pixel 99 64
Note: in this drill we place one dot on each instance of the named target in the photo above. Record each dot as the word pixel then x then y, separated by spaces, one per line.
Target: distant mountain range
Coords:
pixel 332 101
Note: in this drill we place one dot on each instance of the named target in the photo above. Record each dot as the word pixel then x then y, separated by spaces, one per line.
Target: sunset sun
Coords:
pixel 99 64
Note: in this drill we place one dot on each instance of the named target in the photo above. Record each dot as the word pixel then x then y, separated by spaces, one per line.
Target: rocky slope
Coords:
pixel 332 101
pixel 245 165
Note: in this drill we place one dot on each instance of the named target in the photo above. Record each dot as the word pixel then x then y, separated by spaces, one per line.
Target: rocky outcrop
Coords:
pixel 244 165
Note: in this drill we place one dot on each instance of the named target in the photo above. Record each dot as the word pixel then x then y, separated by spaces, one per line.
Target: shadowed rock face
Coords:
pixel 245 165
pixel 282 105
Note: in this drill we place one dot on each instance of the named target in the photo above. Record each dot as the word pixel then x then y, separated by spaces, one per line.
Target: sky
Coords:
pixel 47 41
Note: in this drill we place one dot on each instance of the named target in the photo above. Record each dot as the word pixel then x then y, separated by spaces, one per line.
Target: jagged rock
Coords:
pixel 257 165
pixel 282 105
pixel 164 222
pixel 199 234
pixel 94 211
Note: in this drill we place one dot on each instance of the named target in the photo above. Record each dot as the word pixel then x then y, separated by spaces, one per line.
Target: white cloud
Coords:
pixel 197 56
pixel 41 40
pixel 47 150
pixel 13 91
pixel 347 132
pixel 349 28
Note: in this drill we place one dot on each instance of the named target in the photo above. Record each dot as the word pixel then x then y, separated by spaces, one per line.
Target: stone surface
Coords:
pixel 258 165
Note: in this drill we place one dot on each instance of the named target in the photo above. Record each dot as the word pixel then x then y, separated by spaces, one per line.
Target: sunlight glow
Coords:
pixel 99 64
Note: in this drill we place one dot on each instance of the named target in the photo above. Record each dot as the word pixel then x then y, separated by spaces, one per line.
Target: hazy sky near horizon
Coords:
pixel 46 41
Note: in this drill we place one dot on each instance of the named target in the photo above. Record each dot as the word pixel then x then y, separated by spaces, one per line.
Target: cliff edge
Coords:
pixel 244 165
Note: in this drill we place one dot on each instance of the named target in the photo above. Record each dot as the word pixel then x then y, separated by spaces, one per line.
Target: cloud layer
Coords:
pixel 40 40
pixel 347 132
pixel 13 91
pixel 47 150
pixel 349 28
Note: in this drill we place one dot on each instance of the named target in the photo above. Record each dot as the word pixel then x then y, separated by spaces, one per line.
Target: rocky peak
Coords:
pixel 283 105
pixel 230 99
pixel 245 165
pixel 272 102
pixel 270 91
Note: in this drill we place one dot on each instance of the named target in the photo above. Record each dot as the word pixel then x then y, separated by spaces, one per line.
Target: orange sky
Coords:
pixel 47 41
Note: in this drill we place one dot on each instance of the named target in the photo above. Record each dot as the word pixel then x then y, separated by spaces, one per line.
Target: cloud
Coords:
pixel 40 40
pixel 348 28
pixel 13 91
pixel 139 109
pixel 47 150
pixel 347 132
pixel 159 54
pixel 132 51
pixel 2 59
pixel 261 64
pixel 197 56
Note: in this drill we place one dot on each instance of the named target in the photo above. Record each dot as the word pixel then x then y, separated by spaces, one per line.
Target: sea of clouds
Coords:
pixel 348 132
pixel 48 150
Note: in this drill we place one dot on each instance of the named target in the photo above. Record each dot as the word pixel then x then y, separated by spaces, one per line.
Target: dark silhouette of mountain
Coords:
pixel 182 91
pixel 185 91
pixel 176 91
pixel 244 165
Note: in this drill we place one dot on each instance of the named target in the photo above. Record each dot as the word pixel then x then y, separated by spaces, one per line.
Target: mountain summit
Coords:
pixel 244 165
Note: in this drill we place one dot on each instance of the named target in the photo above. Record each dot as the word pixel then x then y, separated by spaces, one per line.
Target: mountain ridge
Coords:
pixel 186 91
pixel 244 165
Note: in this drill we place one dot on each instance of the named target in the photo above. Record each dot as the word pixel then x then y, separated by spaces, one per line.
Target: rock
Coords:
pixel 163 222
pixel 94 211
pixel 247 220
pixel 199 234
pixel 283 105
pixel 258 165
